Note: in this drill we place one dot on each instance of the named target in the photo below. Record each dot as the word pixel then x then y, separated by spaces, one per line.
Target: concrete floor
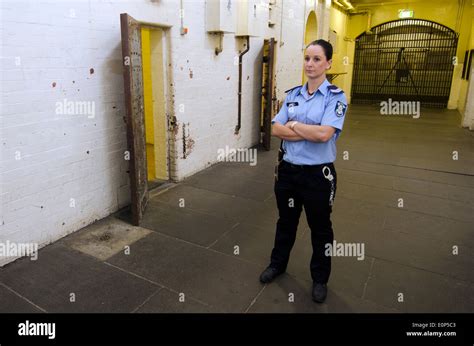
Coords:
pixel 187 253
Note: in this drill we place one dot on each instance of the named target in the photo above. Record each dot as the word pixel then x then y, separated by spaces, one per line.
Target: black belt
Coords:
pixel 308 167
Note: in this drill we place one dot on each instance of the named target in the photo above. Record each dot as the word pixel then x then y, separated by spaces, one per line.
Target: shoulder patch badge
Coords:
pixel 340 109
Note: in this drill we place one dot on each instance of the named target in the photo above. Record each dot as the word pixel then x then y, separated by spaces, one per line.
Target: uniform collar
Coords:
pixel 323 88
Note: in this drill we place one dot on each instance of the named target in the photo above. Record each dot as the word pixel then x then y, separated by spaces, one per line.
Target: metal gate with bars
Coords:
pixel 407 59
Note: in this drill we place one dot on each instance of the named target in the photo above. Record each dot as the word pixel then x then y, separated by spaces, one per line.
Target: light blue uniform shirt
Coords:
pixel 327 106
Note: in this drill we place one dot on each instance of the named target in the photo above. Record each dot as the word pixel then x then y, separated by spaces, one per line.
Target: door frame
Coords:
pixel 169 86
pixel 164 98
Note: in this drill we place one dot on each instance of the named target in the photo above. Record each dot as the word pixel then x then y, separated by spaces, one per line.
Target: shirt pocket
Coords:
pixel 294 109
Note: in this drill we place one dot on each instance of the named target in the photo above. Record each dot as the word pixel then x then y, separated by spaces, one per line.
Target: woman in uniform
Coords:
pixel 309 123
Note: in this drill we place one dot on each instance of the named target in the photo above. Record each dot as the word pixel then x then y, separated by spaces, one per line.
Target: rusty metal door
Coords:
pixel 406 59
pixel 133 89
pixel 267 92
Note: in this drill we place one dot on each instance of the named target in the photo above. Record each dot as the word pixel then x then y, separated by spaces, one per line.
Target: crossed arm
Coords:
pixel 300 132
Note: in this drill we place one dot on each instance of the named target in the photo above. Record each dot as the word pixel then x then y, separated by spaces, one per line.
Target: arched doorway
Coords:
pixel 310 34
pixel 407 59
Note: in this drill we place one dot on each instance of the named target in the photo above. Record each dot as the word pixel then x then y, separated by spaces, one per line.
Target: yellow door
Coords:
pixel 154 79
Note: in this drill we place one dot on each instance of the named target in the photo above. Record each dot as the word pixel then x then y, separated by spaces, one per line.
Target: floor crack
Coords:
pixel 368 278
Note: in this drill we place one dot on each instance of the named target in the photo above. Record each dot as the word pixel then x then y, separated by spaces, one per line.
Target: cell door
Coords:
pixel 133 90
pixel 406 59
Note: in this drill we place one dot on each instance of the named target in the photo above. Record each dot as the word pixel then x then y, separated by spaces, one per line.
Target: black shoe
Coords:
pixel 269 274
pixel 320 292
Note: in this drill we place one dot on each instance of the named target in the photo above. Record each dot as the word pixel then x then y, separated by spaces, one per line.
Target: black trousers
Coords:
pixel 297 187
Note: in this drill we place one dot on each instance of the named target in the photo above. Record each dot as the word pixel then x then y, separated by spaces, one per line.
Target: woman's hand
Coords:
pixel 312 133
pixel 296 131
pixel 284 132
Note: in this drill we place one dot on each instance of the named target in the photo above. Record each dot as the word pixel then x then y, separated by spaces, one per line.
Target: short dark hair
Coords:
pixel 327 47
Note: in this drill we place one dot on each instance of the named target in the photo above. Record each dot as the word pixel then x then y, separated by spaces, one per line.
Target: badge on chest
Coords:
pixel 291 106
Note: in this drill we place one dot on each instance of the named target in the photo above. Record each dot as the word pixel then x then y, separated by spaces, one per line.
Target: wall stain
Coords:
pixel 184 141
pixel 188 142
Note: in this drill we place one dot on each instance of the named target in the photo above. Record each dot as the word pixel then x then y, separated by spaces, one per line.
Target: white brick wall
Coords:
pixel 66 157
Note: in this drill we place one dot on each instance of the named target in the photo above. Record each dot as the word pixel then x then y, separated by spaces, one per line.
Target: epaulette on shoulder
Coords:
pixel 334 89
pixel 287 91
